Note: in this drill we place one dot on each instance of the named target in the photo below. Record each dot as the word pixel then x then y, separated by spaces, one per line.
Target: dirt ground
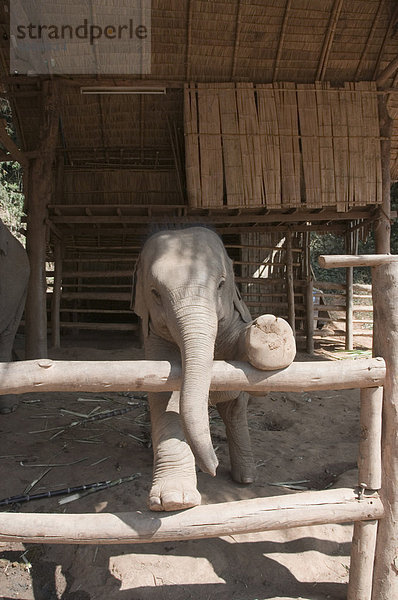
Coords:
pixel 304 440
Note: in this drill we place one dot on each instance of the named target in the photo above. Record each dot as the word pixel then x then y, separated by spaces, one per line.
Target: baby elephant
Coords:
pixel 185 293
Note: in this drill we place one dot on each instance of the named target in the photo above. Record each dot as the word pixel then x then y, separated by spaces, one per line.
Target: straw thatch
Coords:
pixel 282 146
pixel 267 132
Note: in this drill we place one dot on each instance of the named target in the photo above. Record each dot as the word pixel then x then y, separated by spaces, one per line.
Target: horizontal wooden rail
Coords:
pixel 227 518
pixel 43 375
pixel 348 260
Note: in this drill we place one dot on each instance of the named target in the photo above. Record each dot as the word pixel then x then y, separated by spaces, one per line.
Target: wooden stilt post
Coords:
pixel 39 195
pixel 349 299
pixel 309 293
pixel 290 283
pixel 385 302
pixel 56 297
pixel 383 223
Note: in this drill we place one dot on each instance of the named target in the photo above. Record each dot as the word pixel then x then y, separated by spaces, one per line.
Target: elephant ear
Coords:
pixel 241 307
pixel 4 235
pixel 138 304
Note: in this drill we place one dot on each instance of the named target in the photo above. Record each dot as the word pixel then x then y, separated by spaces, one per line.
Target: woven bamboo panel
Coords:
pixel 211 165
pixel 310 144
pixel 192 162
pixel 283 145
pixel 289 144
pixel 231 145
pixel 326 157
pixel 270 146
pixel 250 144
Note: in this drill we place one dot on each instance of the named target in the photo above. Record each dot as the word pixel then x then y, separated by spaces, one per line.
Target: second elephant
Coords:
pixel 14 278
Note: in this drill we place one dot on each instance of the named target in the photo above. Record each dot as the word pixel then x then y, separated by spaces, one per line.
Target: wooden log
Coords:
pixel 215 520
pixel 154 376
pixel 385 302
pixel 56 296
pixel 347 260
pixel 362 560
pixel 369 458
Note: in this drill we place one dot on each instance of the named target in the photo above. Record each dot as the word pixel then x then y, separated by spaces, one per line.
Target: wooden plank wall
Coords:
pixel 282 145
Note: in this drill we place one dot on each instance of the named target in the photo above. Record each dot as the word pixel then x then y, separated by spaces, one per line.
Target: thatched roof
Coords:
pixel 256 41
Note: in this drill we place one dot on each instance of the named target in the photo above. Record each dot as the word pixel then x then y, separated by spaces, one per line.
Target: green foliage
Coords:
pixel 334 244
pixel 11 195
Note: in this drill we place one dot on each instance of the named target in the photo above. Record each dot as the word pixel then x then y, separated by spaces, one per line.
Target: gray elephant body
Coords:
pixel 191 310
pixel 14 277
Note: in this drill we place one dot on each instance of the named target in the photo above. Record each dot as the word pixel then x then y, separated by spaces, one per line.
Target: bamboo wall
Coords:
pixel 282 145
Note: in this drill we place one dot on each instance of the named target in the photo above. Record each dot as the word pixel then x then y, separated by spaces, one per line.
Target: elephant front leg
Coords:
pixel 174 475
pixel 234 414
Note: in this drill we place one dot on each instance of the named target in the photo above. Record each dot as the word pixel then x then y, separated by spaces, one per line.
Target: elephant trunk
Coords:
pixel 196 329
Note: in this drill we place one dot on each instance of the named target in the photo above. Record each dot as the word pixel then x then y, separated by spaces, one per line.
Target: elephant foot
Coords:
pixel 244 473
pixel 270 343
pixel 8 404
pixel 173 493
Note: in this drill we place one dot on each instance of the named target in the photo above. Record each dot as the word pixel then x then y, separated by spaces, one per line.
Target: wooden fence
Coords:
pixel 373 506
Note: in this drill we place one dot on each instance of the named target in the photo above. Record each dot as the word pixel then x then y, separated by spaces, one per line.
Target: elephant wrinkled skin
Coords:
pixel 190 309
pixel 14 277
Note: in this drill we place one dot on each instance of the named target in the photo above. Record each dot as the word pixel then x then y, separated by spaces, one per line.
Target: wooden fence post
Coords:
pixel 369 478
pixel 385 302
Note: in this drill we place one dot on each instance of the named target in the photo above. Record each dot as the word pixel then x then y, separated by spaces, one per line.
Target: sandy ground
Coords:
pixel 297 437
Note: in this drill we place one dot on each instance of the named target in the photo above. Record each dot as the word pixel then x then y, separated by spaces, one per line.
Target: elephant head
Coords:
pixel 184 292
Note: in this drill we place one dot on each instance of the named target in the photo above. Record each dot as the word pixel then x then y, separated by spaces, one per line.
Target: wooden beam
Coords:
pixel 369 38
pixel 281 39
pixel 328 42
pixel 384 42
pixel 188 42
pixel 215 218
pixel 236 40
pixel 154 376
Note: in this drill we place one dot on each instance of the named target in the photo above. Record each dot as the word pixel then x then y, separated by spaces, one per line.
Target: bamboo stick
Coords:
pixel 347 260
pixel 215 520
pixel 48 376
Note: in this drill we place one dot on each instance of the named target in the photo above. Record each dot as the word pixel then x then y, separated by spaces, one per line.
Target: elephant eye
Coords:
pixel 220 285
pixel 155 294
